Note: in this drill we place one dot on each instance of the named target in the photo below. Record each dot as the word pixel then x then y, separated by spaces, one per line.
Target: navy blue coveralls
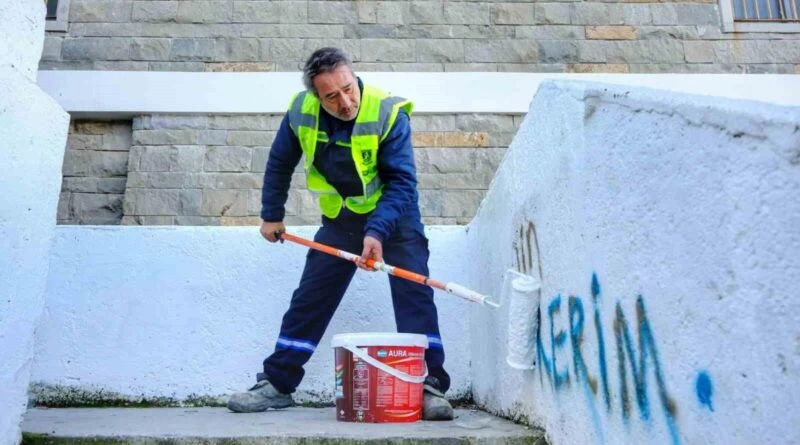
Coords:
pixel 396 222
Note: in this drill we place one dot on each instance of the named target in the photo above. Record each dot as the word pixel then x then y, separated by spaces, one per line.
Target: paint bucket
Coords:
pixel 379 376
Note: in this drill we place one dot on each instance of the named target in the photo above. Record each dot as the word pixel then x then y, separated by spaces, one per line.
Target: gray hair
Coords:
pixel 324 60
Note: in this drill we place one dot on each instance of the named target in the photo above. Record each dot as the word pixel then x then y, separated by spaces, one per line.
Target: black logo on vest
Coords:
pixel 366 156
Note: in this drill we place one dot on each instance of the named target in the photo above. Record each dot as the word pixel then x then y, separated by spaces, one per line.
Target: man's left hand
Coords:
pixel 373 249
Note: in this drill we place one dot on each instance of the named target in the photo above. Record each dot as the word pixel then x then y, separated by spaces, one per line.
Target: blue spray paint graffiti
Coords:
pixel 637 360
pixel 705 389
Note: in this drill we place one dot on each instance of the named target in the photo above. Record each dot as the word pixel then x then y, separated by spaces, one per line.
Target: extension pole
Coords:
pixel 453 288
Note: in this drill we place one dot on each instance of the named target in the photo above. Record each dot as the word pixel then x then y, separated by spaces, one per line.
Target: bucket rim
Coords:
pixel 379 339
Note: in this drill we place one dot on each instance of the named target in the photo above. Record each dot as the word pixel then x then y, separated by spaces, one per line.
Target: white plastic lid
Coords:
pixel 379 339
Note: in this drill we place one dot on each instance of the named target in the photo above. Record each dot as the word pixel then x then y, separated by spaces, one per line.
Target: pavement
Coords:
pixel 298 425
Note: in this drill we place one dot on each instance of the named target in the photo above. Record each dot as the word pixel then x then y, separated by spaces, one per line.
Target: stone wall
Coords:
pixel 208 169
pixel 429 35
pixel 94 172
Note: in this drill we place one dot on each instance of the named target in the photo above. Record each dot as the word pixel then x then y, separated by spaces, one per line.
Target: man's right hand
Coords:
pixel 270 230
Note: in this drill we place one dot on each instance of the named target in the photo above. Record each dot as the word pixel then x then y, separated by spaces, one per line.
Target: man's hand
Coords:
pixel 270 230
pixel 373 249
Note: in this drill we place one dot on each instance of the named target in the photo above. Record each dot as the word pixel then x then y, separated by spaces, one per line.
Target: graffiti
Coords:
pixel 705 389
pixel 526 250
pixel 638 363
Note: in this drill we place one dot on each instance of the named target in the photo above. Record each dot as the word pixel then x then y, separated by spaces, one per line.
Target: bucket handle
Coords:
pixel 385 368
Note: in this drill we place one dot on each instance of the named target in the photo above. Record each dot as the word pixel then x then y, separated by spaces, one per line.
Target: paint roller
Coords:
pixel 523 301
pixel 453 288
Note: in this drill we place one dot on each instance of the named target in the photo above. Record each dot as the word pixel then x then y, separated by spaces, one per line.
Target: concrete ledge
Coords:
pixel 291 426
pixel 121 94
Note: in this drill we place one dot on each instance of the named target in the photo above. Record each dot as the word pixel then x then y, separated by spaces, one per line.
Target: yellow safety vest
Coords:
pixel 376 116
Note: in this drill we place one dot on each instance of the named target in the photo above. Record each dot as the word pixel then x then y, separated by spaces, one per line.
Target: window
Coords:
pixel 760 15
pixel 57 14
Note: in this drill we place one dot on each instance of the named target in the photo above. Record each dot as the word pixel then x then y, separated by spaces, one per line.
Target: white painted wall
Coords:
pixel 690 204
pixel 192 311
pixel 127 93
pixel 33 132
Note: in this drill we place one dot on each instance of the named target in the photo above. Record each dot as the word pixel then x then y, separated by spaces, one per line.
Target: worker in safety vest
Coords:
pixel 360 163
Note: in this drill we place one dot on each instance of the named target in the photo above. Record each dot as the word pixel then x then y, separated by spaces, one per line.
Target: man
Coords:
pixel 360 162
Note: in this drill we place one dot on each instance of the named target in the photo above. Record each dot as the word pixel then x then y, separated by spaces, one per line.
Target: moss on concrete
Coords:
pixel 62 396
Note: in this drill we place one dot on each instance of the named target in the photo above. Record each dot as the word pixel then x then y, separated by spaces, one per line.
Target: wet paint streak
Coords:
pixel 576 316
pixel 705 389
pixel 541 355
pixel 601 344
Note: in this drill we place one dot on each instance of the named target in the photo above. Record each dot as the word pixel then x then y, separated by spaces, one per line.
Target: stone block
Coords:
pixel 298 181
pixel 77 141
pixel 244 122
pixel 256 11
pixel 550 32
pixel 188 220
pixel 155 12
pixel 669 51
pixel 150 49
pixel 212 137
pixel 552 13
pixel 450 139
pixel 391 13
pixel 287 49
pixel 156 202
pixel 294 12
pixel 587 13
pixel 426 13
pixel 250 138
pixel 240 67
pixel 332 12
pixel 485 122
pixel 95 163
pixel 461 203
pixel 350 46
pixel 301 202
pixel 224 203
pixel 240 221
pixel 96 48
pixel 204 11
pixel 669 32
pixel 558 51
pixel 637 14
pixel 440 50
pixel 438 221
pixel 433 122
pixel 611 33
pixel 500 139
pixel 488 160
pixel 511 13
pixel 120 65
pixel 200 49
pixel 63 215
pixel 430 181
pixel 238 181
pixel 52 48
pixel 430 202
pixel 514 51
pixel 165 137
pixel 159 180
pixel 177 121
pixel 157 158
pixel 254 202
pixel 467 13
pixel 178 66
pixel 237 50
pixel 698 51
pixel 105 11
pixel 228 159
pixel 449 160
pixel 468 181
pixel 190 158
pixel 190 201
pixel 260 156
pixel 367 11
pixel 623 51
pixel 598 68
pixel 93 208
pixel 81 185
pixel 388 50
pixel 591 51
pixel 111 185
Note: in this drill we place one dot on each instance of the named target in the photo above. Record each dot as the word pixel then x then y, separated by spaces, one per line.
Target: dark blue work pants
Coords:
pixel 324 282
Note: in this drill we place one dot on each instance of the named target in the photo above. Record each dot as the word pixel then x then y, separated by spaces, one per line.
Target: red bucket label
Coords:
pixel 367 394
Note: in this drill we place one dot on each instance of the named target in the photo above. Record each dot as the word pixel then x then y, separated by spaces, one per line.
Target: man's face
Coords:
pixel 338 93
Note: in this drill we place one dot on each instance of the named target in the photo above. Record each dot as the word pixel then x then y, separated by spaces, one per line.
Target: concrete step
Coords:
pixel 294 426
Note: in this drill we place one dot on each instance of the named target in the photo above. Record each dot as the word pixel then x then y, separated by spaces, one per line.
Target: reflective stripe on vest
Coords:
pixel 376 116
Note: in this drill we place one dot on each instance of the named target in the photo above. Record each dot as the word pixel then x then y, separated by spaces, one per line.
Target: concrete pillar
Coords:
pixel 33 132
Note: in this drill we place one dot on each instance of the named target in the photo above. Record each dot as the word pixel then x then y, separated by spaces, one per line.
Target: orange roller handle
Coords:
pixel 452 288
